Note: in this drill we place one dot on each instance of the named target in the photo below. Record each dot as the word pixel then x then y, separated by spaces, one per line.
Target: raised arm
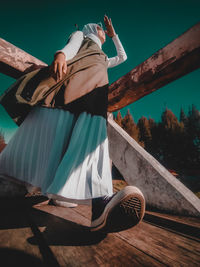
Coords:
pixel 121 54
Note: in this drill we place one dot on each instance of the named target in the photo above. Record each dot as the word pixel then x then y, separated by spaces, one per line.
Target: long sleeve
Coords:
pixel 75 40
pixel 73 45
pixel 121 54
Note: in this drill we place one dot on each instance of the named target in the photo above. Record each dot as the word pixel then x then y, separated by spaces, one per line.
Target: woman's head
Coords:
pixel 96 29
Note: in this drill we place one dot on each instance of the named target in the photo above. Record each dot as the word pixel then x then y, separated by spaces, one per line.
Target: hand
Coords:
pixel 109 27
pixel 59 65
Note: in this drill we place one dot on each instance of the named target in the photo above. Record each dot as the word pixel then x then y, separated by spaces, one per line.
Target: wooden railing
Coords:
pixel 178 58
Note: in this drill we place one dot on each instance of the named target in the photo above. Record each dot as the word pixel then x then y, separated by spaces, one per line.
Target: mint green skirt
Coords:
pixel 64 154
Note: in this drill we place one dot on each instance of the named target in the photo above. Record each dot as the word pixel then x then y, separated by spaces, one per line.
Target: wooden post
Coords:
pixel 15 62
pixel 176 59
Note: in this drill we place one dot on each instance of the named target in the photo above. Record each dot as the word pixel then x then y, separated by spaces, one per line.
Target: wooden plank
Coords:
pixel 69 214
pixel 180 228
pixel 74 245
pixel 190 221
pixel 14 234
pixel 178 58
pixel 15 62
pixel 165 246
pixel 170 248
pixel 65 237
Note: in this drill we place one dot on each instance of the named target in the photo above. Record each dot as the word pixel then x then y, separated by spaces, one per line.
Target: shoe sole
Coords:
pixel 64 204
pixel 126 213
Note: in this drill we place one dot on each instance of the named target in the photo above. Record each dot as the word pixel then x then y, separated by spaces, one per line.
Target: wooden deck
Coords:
pixel 38 234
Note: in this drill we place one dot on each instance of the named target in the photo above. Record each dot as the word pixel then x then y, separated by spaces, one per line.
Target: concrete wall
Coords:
pixel 160 188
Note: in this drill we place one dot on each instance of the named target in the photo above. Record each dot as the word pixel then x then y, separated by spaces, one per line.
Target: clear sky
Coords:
pixel 42 27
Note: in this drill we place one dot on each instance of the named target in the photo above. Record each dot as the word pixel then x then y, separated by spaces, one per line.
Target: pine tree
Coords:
pixel 130 126
pixel 183 117
pixel 153 142
pixel 157 141
pixel 144 132
pixel 173 136
pixel 176 144
pixel 192 138
pixel 118 119
pixel 152 123
pixel 169 120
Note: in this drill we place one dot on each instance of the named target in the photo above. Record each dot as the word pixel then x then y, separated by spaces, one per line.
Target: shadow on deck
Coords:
pixel 38 234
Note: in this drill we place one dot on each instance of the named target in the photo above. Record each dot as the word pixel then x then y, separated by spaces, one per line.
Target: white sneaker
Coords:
pixel 123 210
pixel 63 203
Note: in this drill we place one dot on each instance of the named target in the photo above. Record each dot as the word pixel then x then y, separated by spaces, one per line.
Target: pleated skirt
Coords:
pixel 64 154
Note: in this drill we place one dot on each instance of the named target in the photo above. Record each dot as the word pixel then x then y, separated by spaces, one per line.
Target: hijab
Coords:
pixel 90 30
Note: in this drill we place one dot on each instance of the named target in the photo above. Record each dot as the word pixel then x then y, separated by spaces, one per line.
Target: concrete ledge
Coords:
pixel 160 188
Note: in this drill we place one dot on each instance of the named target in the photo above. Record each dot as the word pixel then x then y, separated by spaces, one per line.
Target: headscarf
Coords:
pixel 90 30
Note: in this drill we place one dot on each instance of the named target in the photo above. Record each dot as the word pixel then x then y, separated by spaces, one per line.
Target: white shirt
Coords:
pixel 74 43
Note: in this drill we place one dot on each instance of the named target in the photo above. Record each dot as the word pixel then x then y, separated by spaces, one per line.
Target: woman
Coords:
pixel 61 145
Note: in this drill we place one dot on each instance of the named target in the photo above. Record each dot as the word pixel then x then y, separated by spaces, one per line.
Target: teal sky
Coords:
pixel 42 27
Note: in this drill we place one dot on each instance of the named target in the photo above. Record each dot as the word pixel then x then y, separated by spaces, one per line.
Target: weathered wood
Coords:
pixel 61 237
pixel 14 233
pixel 15 62
pixel 167 247
pixel 170 248
pixel 190 221
pixel 74 245
pixel 178 58
pixel 164 246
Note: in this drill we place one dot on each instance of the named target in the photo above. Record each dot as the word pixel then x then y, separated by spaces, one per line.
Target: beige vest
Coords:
pixel 85 72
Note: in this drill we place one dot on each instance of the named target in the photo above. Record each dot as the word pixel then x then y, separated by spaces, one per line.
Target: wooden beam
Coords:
pixel 178 58
pixel 15 62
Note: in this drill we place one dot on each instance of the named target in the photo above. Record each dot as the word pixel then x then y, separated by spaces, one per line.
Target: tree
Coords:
pixel 169 120
pixel 144 132
pixel 173 139
pixel 127 123
pixel 175 143
pixel 130 127
pixel 118 119
pixel 152 123
pixel 183 117
pixel 154 146
pixel 192 138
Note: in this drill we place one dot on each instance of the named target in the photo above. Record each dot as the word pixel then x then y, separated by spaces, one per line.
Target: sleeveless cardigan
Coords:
pixel 83 88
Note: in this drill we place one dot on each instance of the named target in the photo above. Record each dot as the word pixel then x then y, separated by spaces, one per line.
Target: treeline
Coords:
pixel 173 142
